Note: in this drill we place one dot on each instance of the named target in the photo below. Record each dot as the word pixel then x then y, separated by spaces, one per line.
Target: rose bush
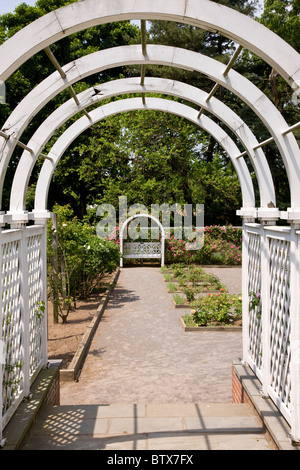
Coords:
pixel 222 245
pixel 220 308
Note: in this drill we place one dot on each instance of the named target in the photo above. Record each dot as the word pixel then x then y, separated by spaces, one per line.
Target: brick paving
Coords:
pixel 140 353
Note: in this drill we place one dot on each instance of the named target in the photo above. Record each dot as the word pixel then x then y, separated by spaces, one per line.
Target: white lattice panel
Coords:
pixel 280 319
pixel 142 250
pixel 254 285
pixel 35 299
pixel 12 331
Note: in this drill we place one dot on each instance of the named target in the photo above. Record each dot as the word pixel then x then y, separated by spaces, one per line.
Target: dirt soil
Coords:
pixel 64 338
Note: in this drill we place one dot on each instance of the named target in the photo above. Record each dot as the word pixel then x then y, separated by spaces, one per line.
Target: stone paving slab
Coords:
pixel 147 427
pixel 209 442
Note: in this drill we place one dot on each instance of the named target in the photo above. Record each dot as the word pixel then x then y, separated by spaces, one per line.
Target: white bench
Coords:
pixel 142 250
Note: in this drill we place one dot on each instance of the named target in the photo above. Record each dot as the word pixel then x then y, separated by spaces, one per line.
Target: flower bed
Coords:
pixel 221 245
pixel 220 309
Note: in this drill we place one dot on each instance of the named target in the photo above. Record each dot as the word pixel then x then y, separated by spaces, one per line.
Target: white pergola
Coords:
pixel 127 86
pixel 271 253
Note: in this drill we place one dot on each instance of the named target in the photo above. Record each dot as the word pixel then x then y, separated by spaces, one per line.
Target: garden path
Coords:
pixel 140 353
pixel 230 276
pixel 148 385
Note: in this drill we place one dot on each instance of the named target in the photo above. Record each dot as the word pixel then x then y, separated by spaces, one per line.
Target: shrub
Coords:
pixel 176 251
pixel 216 308
pixel 77 260
pixel 222 245
pixel 189 293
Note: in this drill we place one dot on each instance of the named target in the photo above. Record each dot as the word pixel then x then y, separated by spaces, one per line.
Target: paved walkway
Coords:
pixel 147 384
pixel 140 353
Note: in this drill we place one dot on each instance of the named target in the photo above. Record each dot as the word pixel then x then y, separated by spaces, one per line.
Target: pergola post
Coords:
pixel 265 310
pixel 295 332
pixel 245 286
pixel 42 221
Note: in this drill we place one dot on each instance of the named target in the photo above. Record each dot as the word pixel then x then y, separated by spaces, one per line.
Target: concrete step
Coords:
pixel 153 426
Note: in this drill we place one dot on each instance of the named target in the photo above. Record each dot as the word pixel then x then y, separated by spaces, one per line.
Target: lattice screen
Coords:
pixel 12 324
pixel 254 286
pixel 35 299
pixel 280 319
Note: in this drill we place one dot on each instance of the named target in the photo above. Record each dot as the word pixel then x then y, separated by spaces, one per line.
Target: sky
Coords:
pixel 7 6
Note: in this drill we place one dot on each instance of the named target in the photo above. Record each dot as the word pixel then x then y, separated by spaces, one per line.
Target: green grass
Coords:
pixel 172 287
pixel 178 299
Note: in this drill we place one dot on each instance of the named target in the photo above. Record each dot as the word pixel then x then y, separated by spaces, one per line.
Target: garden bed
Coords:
pixel 210 303
pixel 181 302
pixel 188 283
pixel 219 310
pixel 64 339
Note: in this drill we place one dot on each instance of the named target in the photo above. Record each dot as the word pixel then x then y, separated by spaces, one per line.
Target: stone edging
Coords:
pixel 73 370
pixel 209 328
pixel 43 391
pixel 181 305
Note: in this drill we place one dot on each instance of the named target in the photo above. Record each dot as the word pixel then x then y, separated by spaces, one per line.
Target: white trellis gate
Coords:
pixel 271 329
pixel 144 249
pixel 22 315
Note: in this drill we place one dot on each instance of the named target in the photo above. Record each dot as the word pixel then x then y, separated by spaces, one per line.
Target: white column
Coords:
pixel 245 290
pixel 295 332
pixel 44 289
pixel 162 250
pixel 1 338
pixel 24 299
pixel 265 310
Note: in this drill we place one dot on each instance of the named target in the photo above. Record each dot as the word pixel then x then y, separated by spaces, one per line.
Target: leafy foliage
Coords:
pixel 213 309
pixel 77 259
pixel 221 245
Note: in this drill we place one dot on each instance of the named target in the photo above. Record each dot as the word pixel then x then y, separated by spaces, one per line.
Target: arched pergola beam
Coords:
pixel 113 108
pixel 127 86
pixel 204 14
pixel 162 55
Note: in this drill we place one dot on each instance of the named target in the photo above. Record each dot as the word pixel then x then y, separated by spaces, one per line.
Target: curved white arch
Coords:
pixel 131 104
pixel 204 14
pixel 126 86
pixel 149 216
pixel 164 55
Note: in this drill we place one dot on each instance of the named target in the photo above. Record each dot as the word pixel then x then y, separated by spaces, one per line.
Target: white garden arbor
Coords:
pixel 271 256
pixel 142 250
